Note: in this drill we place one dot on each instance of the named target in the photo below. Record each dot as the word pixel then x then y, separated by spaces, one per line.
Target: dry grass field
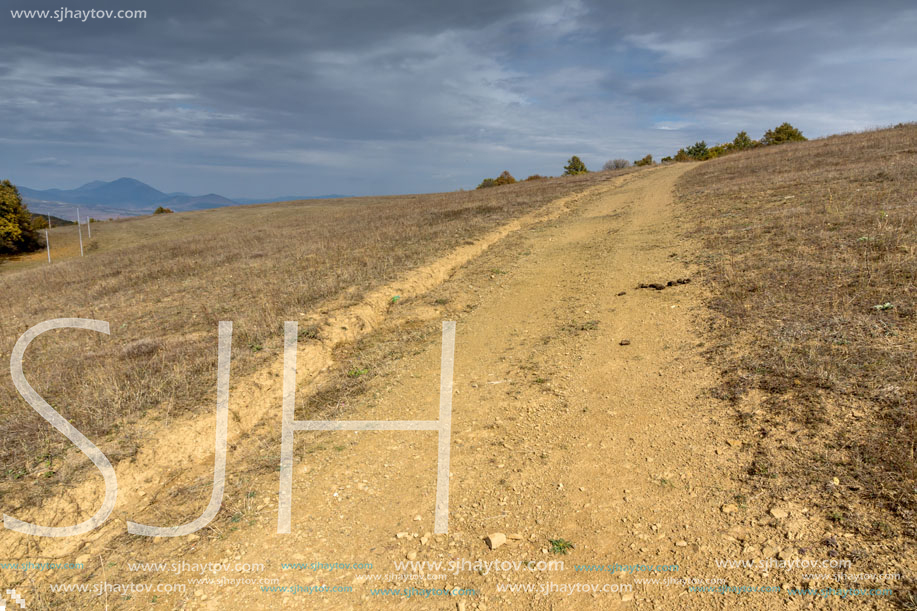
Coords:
pixel 163 282
pixel 812 257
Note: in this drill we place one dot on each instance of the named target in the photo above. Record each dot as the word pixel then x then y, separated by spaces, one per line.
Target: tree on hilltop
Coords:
pixel 743 141
pixel 575 166
pixel 782 133
pixel 698 151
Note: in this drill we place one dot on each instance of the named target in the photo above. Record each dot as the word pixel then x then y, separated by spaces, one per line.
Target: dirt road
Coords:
pixel 580 430
pixel 559 431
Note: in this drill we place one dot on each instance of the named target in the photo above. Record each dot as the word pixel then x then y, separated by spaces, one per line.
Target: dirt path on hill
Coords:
pixel 579 415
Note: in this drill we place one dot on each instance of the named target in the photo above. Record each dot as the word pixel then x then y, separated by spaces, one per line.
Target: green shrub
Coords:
pixel 666 159
pixel 682 155
pixel 719 150
pixel 161 210
pixel 16 231
pixel 648 160
pixel 504 179
pixel 575 166
pixel 743 141
pixel 536 177
pixel 782 133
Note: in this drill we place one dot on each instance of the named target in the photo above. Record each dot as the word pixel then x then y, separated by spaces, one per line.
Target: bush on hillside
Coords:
pixel 504 179
pixel 616 164
pixel 782 133
pixel 16 231
pixel 648 160
pixel 575 166
pixel 161 210
pixel 536 177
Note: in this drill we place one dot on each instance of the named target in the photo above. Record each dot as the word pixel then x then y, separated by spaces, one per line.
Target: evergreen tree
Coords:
pixel 698 151
pixel 575 166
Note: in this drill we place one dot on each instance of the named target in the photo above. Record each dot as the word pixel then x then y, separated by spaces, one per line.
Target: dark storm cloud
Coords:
pixel 251 98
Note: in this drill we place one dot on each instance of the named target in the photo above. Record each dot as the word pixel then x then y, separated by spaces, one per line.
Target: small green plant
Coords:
pixel 356 372
pixel 256 347
pixel 560 546
pixel 836 516
pixel 540 380
pixel 309 332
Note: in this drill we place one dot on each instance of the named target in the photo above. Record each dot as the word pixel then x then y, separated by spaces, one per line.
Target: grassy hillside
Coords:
pixel 812 255
pixel 163 282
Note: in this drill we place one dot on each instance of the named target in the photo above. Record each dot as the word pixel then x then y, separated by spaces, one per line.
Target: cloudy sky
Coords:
pixel 276 97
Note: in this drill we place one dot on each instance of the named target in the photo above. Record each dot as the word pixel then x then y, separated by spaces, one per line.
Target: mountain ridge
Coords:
pixel 130 197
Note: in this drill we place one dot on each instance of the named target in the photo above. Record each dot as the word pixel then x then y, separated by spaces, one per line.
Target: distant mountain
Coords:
pixel 122 197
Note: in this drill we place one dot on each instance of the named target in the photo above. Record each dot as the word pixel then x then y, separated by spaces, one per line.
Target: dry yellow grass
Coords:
pixel 163 282
pixel 813 261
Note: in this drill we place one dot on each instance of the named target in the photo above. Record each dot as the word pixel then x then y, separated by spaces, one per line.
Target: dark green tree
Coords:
pixel 16 232
pixel 487 182
pixel 575 166
pixel 782 133
pixel 698 151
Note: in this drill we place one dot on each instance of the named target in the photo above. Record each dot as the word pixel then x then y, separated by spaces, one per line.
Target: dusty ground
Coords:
pixel 561 429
